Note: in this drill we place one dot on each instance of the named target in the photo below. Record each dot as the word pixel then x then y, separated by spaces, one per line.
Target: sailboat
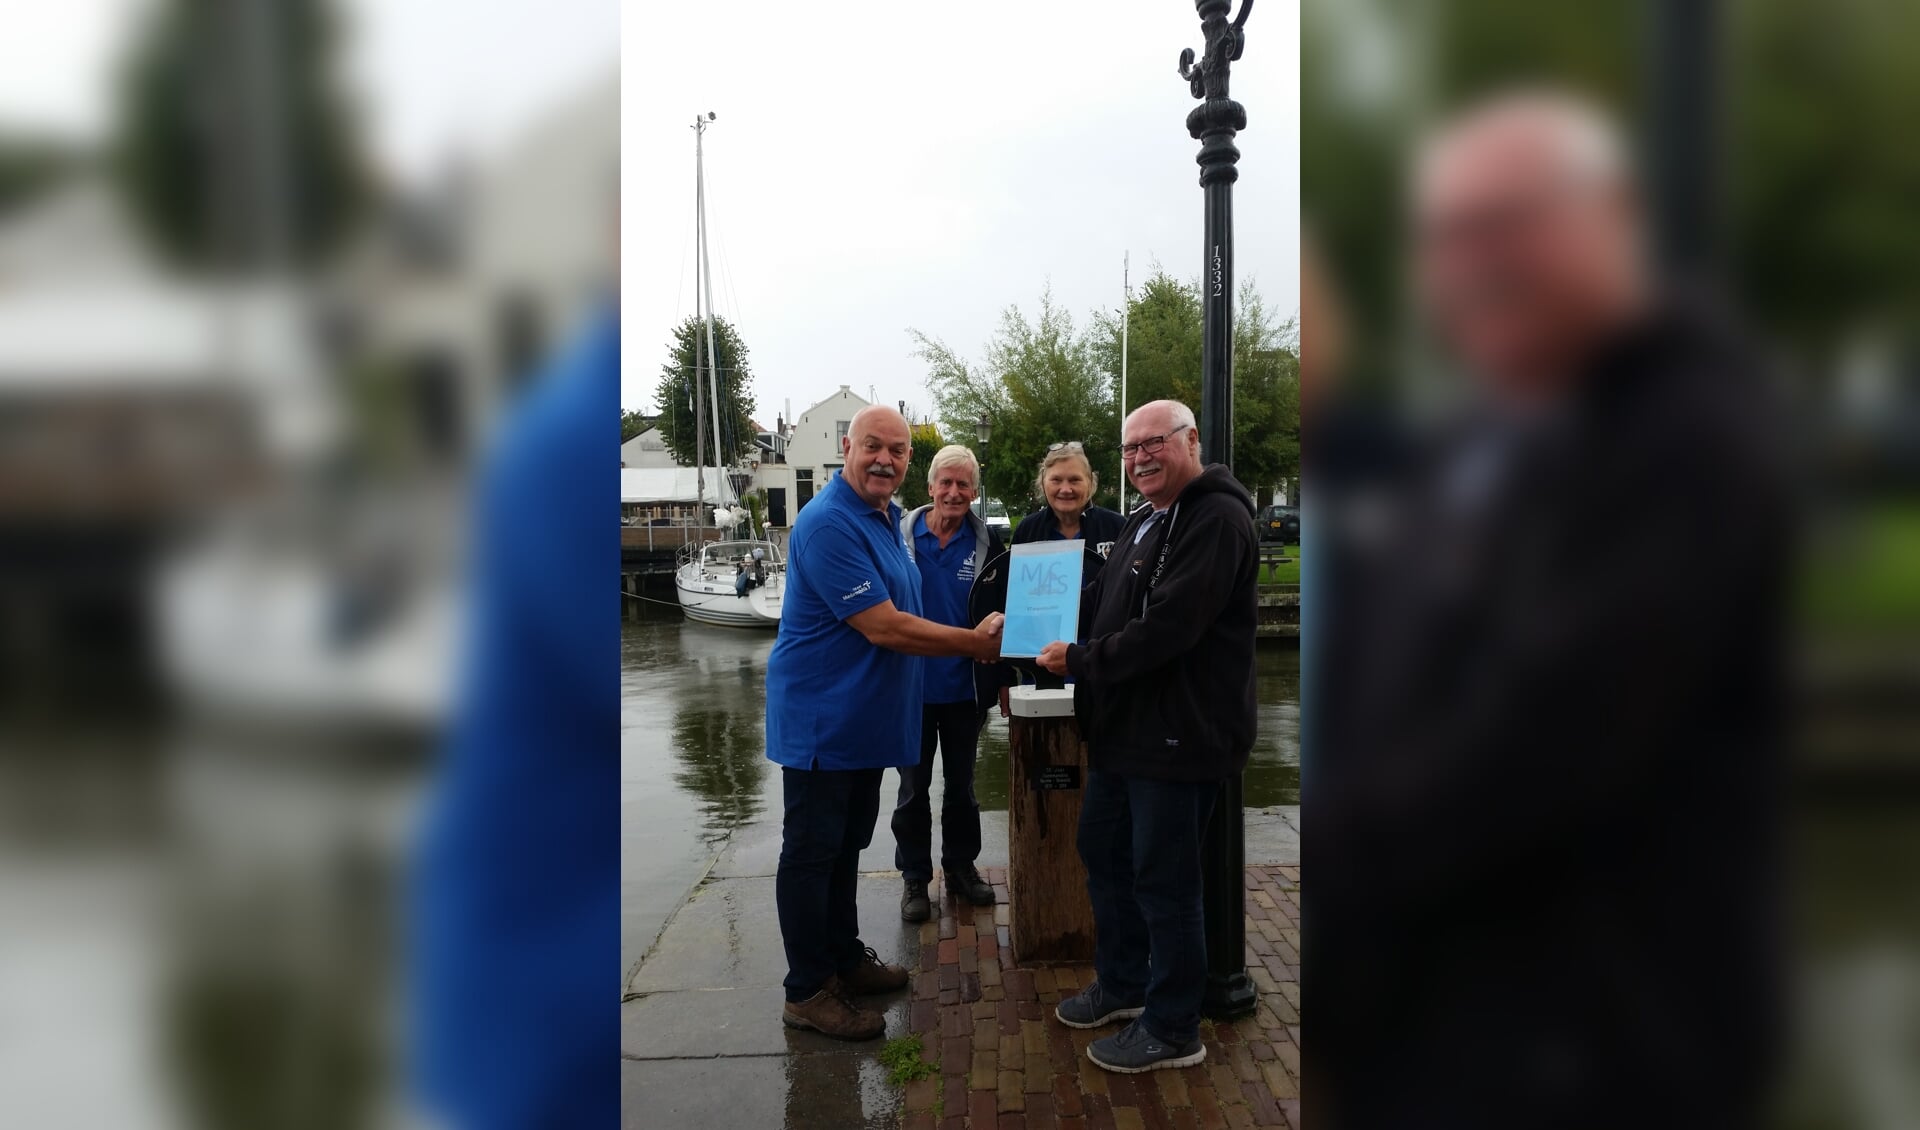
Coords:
pixel 706 578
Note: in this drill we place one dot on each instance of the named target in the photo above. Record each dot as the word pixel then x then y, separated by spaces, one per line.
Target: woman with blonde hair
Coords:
pixel 1066 483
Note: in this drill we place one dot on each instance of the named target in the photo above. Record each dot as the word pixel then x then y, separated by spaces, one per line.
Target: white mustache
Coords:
pixel 883 471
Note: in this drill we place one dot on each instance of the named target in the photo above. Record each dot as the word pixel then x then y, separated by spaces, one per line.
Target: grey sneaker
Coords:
pixel 1133 1050
pixel 1093 1006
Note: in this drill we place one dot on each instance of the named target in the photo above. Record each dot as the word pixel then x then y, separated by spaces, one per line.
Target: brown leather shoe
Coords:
pixel 830 1013
pixel 873 976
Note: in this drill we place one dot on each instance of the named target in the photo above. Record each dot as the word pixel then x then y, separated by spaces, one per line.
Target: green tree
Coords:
pixel 232 145
pixel 1164 325
pixel 926 442
pixel 1039 383
pixel 675 392
pixel 1163 343
pixel 29 166
pixel 633 423
pixel 1266 399
pixel 1822 173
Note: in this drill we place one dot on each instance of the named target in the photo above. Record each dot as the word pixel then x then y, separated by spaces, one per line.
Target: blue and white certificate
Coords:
pixel 1043 596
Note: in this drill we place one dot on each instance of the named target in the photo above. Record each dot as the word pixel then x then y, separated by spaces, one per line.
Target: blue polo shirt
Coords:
pixel 946 577
pixel 835 701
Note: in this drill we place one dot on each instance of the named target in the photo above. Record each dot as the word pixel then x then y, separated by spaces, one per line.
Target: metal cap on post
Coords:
pixel 1213 123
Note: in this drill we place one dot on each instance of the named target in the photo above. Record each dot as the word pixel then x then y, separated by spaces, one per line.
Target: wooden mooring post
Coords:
pixel 1052 919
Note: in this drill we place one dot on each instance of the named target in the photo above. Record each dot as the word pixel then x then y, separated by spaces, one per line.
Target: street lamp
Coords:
pixel 983 431
pixel 1230 992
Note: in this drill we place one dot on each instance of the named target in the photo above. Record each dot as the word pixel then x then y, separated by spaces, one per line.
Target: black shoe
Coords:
pixel 914 906
pixel 967 883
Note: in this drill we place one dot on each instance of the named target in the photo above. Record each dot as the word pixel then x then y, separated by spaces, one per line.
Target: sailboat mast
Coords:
pixel 1126 308
pixel 699 403
pixel 713 356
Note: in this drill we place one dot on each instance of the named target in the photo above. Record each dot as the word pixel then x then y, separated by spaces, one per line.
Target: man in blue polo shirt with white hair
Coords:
pixel 843 706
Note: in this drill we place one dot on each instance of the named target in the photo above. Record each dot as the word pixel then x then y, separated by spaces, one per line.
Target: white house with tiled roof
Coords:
pixel 813 447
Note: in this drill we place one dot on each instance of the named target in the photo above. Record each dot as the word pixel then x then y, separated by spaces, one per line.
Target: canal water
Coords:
pixel 693 761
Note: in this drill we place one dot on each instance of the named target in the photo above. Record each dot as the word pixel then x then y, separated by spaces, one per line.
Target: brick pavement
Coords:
pixel 1005 1062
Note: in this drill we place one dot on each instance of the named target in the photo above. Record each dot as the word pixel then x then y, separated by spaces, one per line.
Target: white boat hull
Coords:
pixel 712 600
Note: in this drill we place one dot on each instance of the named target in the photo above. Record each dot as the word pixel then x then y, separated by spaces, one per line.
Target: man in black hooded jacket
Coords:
pixel 1164 693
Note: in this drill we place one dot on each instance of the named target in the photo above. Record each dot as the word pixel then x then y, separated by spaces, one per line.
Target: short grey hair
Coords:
pixel 1181 414
pixel 1584 141
pixel 948 456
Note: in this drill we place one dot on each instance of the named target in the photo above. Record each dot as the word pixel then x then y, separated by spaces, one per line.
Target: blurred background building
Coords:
pixel 265 291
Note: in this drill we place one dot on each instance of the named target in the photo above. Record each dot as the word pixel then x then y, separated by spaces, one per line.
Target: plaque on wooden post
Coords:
pixel 1052 920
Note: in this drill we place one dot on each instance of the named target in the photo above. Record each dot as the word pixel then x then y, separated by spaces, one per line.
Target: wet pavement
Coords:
pixel 701 1039
pixel 1003 1060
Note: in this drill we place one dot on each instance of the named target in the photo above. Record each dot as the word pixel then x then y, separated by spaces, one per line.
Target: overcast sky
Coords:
pixel 431 77
pixel 873 167
pixel 876 167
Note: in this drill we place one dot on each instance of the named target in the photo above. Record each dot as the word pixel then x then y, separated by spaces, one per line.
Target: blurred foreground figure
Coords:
pixel 1545 678
pixel 517 899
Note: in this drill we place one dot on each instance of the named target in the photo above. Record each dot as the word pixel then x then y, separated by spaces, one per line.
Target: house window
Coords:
pixel 840 429
pixel 519 335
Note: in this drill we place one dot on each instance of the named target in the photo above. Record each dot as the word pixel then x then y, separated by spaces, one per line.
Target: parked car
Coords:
pixel 1279 524
pixel 997 515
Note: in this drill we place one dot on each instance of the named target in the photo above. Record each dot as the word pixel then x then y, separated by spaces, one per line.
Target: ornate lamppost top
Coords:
pixel 1214 122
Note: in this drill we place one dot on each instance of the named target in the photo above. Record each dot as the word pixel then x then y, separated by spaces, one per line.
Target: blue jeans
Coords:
pixel 830 815
pixel 956 727
pixel 1140 839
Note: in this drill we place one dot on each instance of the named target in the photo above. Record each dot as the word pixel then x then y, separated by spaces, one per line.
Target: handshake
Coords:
pixel 986 638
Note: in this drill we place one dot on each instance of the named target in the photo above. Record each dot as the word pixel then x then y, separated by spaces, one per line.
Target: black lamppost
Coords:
pixel 1213 123
pixel 982 431
pixel 1682 128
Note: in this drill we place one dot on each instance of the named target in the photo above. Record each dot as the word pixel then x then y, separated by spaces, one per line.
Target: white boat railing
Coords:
pixel 719 555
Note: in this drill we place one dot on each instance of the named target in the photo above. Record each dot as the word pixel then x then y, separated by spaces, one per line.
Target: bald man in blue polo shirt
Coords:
pixel 843 706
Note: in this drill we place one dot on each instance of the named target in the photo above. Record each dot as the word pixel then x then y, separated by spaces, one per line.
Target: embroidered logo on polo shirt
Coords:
pixel 967 568
pixel 861 588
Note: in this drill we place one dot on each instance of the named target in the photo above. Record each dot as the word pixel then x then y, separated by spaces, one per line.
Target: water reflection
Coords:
pixel 694 698
pixel 698 694
pixel 723 763
pixel 837 1089
pixel 1273 768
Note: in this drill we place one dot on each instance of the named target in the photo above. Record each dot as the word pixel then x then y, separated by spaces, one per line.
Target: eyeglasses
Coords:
pixel 1151 445
pixel 1069 445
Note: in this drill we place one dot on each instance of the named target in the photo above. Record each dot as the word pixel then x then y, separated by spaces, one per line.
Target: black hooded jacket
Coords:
pixel 1164 685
